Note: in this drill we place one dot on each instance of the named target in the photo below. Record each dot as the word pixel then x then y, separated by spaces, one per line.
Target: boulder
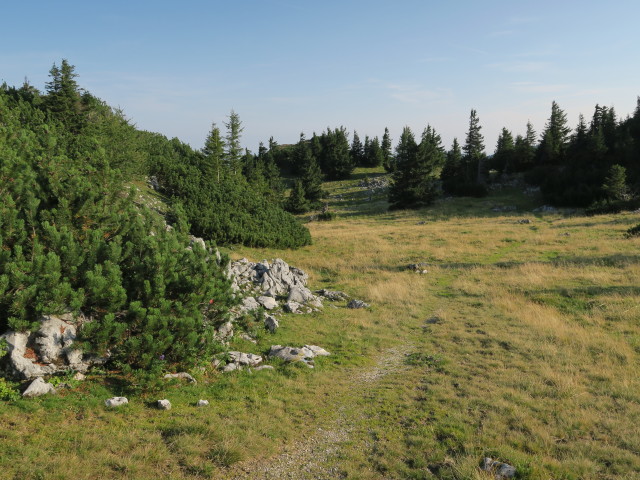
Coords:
pixel 114 402
pixel 334 296
pixel 271 323
pixel 303 295
pixel 163 404
pixel 48 350
pixel 38 387
pixel 317 351
pixel 499 469
pixel 267 302
pixel 291 307
pixel 225 331
pixel 357 304
pixel 245 359
pixel 230 367
pixel 181 375
pixel 202 403
pixel 264 367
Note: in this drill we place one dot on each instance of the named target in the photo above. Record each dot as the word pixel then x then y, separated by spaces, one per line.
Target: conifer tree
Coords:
pixel 297 203
pixel 503 157
pixel 474 155
pixel 373 152
pixel 525 150
pixel 554 140
pixel 337 163
pixel 388 161
pixel 415 180
pixel 233 152
pixel 213 152
pixel 357 150
pixel 311 177
pixel 615 184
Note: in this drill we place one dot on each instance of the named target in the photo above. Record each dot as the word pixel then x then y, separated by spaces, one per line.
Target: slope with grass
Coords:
pixel 521 342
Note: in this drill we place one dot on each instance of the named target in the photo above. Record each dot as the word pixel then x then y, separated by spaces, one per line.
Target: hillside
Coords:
pixel 518 342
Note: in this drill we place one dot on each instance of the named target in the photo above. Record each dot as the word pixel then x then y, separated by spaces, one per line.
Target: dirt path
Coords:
pixel 310 458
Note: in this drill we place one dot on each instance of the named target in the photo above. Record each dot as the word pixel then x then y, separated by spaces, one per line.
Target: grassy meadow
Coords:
pixel 521 342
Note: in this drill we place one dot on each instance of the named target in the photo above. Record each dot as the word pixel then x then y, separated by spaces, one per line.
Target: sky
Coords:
pixel 293 66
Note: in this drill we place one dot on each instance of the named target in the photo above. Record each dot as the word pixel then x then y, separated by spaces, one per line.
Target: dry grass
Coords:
pixel 533 359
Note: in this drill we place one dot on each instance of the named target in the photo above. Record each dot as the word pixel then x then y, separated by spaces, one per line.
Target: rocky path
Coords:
pixel 311 457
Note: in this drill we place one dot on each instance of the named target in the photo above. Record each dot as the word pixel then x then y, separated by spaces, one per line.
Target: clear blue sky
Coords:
pixel 291 66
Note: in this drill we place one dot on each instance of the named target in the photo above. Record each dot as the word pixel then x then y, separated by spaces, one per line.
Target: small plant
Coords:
pixel 326 216
pixel 8 390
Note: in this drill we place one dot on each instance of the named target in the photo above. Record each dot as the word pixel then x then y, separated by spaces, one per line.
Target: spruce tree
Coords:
pixel 357 150
pixel 297 203
pixel 555 137
pixel 233 150
pixel 503 157
pixel 213 152
pixel 474 155
pixel 388 161
pixel 311 176
pixel 415 180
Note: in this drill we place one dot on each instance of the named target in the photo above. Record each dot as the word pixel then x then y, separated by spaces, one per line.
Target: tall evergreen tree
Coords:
pixel 336 164
pixel 415 180
pixel 63 94
pixel 387 162
pixel 553 144
pixel 233 152
pixel 311 176
pixel 357 150
pixel 213 152
pixel 525 150
pixel 373 154
pixel 503 157
pixel 474 155
pixel 297 203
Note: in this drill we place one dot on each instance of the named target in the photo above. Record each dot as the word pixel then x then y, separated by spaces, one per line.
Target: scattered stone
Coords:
pixel 271 324
pixel 357 304
pixel 164 404
pixel 225 331
pixel 230 367
pixel 292 307
pixel 38 387
pixel 304 354
pixel 248 338
pixel 523 221
pixel 202 403
pixel 418 267
pixel 421 223
pixel 249 304
pixel 181 375
pixel 267 302
pixel 79 377
pixel 317 351
pixel 116 402
pixel 264 367
pixel 500 469
pixel 247 359
pixel 152 181
pixel 334 296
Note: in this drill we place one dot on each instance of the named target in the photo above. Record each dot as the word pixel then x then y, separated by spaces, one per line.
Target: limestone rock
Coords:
pixel 334 296
pixel 267 302
pixel 114 402
pixel 164 404
pixel 38 387
pixel 291 307
pixel 246 359
pixel 202 403
pixel 225 331
pixel 181 375
pixel 500 469
pixel 271 323
pixel 357 304
pixel 230 367
pixel 317 351
pixel 264 367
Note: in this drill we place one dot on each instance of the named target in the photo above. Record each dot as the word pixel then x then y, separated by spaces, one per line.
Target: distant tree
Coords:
pixel 373 154
pixel 233 152
pixel 336 161
pixel 311 176
pixel 415 180
pixel 525 150
pixel 474 155
pixel 615 184
pixel 297 203
pixel 63 94
pixel 213 152
pixel 503 157
pixel 387 161
pixel 553 144
pixel 357 150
